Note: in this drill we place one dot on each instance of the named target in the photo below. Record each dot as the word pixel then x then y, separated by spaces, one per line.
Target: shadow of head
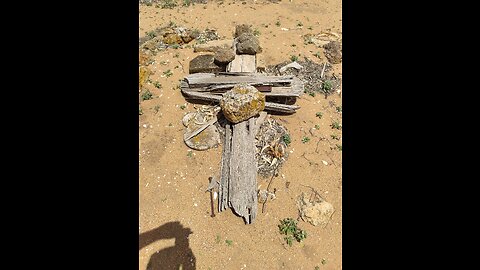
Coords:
pixel 179 256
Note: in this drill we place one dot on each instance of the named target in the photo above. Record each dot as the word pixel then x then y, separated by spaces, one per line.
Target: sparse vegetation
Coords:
pixel 324 261
pixel 336 125
pixel 319 115
pixel 187 3
pixel 277 23
pixel 170 4
pixel 168 73
pixel 339 147
pixel 147 95
pixel 335 137
pixel 310 28
pixel 299 24
pixel 177 55
pixel 151 34
pixel 305 139
pixel 317 54
pixel 317 126
pixel 175 46
pixel 189 154
pixel 157 84
pixel 140 111
pixel 327 86
pixel 156 108
pixel 286 139
pixel 217 239
pixel 293 58
pixel 183 107
pixel 256 32
pixel 229 242
pixel 339 109
pixel 288 227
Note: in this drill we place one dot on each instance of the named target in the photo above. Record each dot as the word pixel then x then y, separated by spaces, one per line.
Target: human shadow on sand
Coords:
pixel 177 257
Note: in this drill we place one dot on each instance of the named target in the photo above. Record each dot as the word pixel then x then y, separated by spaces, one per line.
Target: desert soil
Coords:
pixel 174 209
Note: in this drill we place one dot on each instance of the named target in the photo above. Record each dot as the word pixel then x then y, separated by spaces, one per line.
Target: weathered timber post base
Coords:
pixel 238 173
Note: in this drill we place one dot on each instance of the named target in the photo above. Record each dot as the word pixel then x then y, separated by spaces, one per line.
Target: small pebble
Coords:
pixel 324 162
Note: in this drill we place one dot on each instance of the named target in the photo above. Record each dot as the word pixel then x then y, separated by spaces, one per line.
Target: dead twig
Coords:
pixel 269 183
pixel 323 70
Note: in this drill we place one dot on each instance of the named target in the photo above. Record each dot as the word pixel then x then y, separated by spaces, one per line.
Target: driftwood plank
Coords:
pixel 225 170
pixel 243 171
pixel 269 106
pixel 195 82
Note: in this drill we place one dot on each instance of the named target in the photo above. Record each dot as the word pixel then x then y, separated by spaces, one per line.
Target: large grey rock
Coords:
pixel 224 56
pixel 241 103
pixel 248 44
pixel 204 64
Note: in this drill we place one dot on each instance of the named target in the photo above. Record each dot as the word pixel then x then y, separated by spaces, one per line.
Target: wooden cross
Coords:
pixel 237 186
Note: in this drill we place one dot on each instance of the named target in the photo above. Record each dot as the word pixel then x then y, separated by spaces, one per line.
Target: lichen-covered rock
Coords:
pixel 241 103
pixel 242 29
pixel 204 64
pixel 144 73
pixel 315 213
pixel 224 56
pixel 248 44
pixel 172 38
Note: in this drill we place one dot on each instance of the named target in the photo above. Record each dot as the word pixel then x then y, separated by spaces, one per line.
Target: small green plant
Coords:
pixel 147 95
pixel 256 32
pixel 170 4
pixel 317 267
pixel 157 84
pixel 151 34
pixel 187 3
pixel 172 24
pixel 156 108
pixel 170 124
pixel 140 111
pixel 177 55
pixel 217 239
pixel 336 125
pixel 319 115
pixel 175 46
pixel 189 154
pixel 317 126
pixel 324 261
pixel 168 73
pixel 286 139
pixel 289 228
pixel 311 93
pixel 163 62
pixel 310 28
pixel 183 107
pixel 317 54
pixel 277 23
pixel 294 45
pixel 327 86
pixel 305 139
pixel 339 109
pixel 335 137
pixel 339 147
pixel 293 58
pixel 229 242
pixel 299 24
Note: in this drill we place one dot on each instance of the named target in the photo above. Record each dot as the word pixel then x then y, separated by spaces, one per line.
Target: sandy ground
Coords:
pixel 174 207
